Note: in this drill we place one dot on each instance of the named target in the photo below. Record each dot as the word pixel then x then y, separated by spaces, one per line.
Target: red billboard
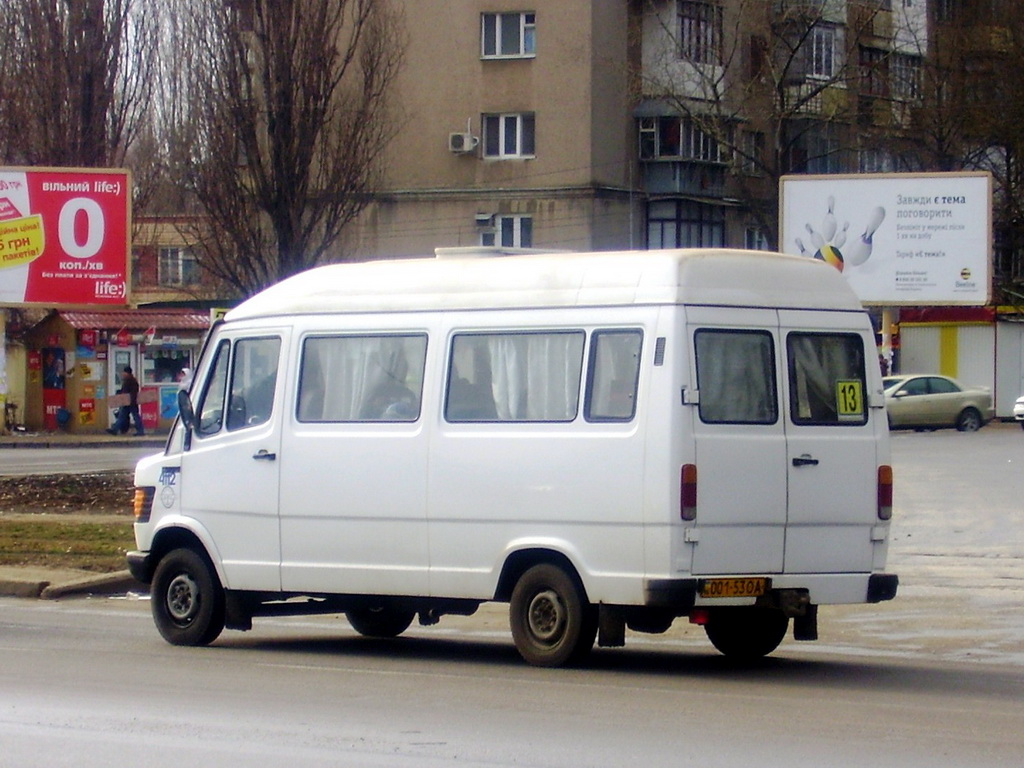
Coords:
pixel 65 236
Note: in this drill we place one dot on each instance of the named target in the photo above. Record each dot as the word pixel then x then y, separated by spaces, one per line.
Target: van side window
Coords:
pixel 253 381
pixel 826 379
pixel 514 376
pixel 613 374
pixel 211 403
pixel 361 378
pixel 736 377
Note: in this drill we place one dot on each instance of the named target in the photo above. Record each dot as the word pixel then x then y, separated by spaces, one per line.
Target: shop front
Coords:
pixel 76 359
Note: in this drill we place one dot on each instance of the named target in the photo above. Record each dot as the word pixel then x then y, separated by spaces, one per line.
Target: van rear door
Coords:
pixel 739 441
pixel 832 439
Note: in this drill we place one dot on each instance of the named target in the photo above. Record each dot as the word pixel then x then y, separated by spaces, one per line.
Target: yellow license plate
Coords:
pixel 737 587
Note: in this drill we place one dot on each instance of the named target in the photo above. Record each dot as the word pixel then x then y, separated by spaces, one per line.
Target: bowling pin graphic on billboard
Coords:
pixel 64 236
pixel 899 239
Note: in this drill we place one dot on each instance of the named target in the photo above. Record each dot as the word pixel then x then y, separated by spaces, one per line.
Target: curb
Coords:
pixel 100 584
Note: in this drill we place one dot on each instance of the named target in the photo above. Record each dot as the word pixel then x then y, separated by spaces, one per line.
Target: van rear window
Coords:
pixel 826 379
pixel 736 376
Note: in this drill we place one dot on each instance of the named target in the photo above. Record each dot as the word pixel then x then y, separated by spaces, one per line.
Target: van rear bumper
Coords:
pixel 681 594
pixel 882 586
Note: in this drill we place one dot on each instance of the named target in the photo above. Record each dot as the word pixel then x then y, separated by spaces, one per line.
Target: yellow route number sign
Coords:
pixel 850 399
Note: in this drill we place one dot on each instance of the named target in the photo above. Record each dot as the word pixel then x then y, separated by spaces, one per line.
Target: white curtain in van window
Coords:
pixel 340 374
pixel 536 377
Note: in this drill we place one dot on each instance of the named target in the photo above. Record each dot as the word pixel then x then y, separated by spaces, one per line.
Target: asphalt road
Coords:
pixel 73 460
pixel 89 683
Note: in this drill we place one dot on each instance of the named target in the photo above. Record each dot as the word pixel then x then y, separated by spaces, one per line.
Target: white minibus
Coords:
pixel 602 441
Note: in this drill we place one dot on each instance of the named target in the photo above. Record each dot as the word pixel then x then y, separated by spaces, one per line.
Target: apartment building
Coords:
pixel 516 131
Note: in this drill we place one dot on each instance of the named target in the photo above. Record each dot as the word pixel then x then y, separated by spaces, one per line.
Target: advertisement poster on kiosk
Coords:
pixel 64 236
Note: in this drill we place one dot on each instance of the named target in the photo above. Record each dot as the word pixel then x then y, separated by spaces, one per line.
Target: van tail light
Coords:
pixel 688 492
pixel 885 492
pixel 144 503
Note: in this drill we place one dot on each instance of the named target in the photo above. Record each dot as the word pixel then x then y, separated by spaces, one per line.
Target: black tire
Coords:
pixel 380 620
pixel 552 622
pixel 745 634
pixel 187 599
pixel 969 420
pixel 1021 424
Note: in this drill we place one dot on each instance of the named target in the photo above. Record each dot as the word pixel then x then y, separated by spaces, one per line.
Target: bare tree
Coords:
pixel 771 87
pixel 280 121
pixel 76 80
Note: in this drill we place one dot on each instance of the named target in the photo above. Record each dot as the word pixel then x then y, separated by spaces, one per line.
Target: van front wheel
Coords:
pixel 552 622
pixel 187 600
pixel 746 634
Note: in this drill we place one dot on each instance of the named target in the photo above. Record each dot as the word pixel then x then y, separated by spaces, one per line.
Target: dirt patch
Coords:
pixel 99 493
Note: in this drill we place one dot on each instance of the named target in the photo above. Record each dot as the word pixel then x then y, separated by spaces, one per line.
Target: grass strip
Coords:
pixel 89 546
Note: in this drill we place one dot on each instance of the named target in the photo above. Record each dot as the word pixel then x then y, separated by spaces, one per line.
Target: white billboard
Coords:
pixel 900 239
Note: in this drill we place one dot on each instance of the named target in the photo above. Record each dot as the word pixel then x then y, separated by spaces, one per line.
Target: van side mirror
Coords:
pixel 185 410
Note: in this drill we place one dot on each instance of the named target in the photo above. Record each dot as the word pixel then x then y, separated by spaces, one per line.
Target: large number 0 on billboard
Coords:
pixel 64 236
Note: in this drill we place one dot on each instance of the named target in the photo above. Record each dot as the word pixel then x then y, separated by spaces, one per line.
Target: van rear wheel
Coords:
pixel 187 599
pixel 552 622
pixel 380 620
pixel 746 634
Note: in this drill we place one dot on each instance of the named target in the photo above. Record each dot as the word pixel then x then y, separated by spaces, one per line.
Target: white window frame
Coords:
pixel 516 135
pixel 514 231
pixel 822 60
pixel 492 27
pixel 171 266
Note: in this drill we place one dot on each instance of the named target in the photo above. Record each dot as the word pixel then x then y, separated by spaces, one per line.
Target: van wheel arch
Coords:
pixel 521 561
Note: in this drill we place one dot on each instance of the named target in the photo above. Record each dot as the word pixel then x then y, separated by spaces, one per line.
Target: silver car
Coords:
pixel 1018 410
pixel 928 401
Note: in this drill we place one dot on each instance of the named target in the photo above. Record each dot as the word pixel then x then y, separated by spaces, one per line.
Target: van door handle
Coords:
pixel 804 461
pixel 265 455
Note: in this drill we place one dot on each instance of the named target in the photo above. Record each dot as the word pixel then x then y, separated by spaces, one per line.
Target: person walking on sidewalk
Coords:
pixel 130 387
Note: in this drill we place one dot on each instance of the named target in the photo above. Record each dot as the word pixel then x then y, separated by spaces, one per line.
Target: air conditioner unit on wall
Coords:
pixel 462 142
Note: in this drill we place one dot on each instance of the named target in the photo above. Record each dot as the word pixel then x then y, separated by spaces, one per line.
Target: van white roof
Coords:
pixel 688 276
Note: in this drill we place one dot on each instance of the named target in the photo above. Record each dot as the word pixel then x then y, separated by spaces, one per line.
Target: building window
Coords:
pixel 677 137
pixel 509 232
pixel 684 224
pixel 755 239
pixel 508 35
pixel 906 77
pixel 510 135
pixel 823 52
pixel 875 161
pixel 874 72
pixel 700 32
pixel 178 267
pixel 750 153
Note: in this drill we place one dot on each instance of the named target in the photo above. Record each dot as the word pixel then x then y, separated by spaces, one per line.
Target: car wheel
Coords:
pixel 745 634
pixel 380 621
pixel 187 599
pixel 969 420
pixel 552 622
